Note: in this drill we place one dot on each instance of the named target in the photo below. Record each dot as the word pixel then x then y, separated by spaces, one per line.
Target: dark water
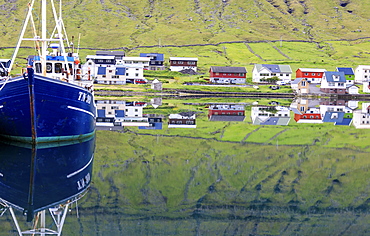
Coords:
pixel 207 185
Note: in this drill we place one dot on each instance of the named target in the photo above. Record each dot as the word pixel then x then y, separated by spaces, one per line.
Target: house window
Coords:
pixel 241 74
pixel 318 74
pixel 126 74
pixel 303 83
pixel 281 74
pixel 217 73
pixel 313 74
pixel 137 74
pixel 305 73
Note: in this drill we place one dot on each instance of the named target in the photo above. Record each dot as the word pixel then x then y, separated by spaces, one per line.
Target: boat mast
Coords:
pixel 44 45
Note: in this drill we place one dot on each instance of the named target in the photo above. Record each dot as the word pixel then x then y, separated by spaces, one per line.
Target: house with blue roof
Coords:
pixel 333 82
pixel 261 72
pixel 156 61
pixel 348 73
pixel 111 75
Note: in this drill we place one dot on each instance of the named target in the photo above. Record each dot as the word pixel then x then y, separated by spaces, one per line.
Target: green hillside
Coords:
pixel 114 24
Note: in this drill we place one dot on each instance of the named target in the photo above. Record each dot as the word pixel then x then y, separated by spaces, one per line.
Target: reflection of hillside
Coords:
pixel 214 182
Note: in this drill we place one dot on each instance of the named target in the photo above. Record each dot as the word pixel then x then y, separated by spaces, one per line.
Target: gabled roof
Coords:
pixel 333 116
pixel 226 118
pixel 335 76
pixel 183 59
pixel 346 70
pixel 345 121
pixel 272 121
pixel 311 70
pixel 274 68
pixel 228 69
pixel 157 56
pixel 297 80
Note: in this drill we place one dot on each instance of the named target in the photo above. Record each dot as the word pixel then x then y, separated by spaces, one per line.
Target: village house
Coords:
pixel 134 68
pixel 361 118
pixel 226 112
pixel 306 110
pixel 362 74
pixel 120 113
pixel 352 89
pixel 111 75
pixel 156 61
pixel 336 112
pixel 183 63
pixel 117 54
pixel 261 72
pixel 349 74
pixel 155 122
pixel 270 115
pixel 227 75
pixel 333 82
pixel 313 75
pixel 93 62
pixel 182 120
pixel 300 86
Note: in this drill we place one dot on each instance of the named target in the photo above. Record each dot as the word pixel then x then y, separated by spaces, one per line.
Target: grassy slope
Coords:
pixel 133 23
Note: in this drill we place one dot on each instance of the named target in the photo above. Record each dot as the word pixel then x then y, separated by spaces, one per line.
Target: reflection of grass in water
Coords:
pixel 164 174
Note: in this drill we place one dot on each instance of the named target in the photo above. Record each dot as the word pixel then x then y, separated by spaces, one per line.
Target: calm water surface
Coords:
pixel 210 167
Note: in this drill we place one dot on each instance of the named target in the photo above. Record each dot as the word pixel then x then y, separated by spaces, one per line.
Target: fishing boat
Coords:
pixel 47 179
pixel 51 100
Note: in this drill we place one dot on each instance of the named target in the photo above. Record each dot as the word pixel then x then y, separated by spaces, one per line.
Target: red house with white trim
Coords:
pixel 227 75
pixel 313 75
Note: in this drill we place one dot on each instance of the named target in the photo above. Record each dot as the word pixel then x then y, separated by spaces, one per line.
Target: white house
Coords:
pixel 111 75
pixel 93 62
pixel 134 67
pixel 362 73
pixel 361 118
pixel 333 82
pixel 352 89
pixel 261 72
pixel 270 115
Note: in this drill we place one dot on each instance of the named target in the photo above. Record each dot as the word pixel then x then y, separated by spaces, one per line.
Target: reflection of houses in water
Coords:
pixel 154 122
pixel 306 111
pixel 226 112
pixel 361 118
pixel 336 112
pixel 182 120
pixel 270 115
pixel 116 114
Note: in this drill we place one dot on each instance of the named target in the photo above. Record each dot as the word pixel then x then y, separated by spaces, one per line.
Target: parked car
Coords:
pixel 274 87
pixel 280 83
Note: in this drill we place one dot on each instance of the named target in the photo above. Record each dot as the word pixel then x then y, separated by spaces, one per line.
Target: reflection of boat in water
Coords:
pixel 52 101
pixel 36 178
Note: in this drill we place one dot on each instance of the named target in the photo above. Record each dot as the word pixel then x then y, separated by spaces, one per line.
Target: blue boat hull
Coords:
pixel 33 179
pixel 63 111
